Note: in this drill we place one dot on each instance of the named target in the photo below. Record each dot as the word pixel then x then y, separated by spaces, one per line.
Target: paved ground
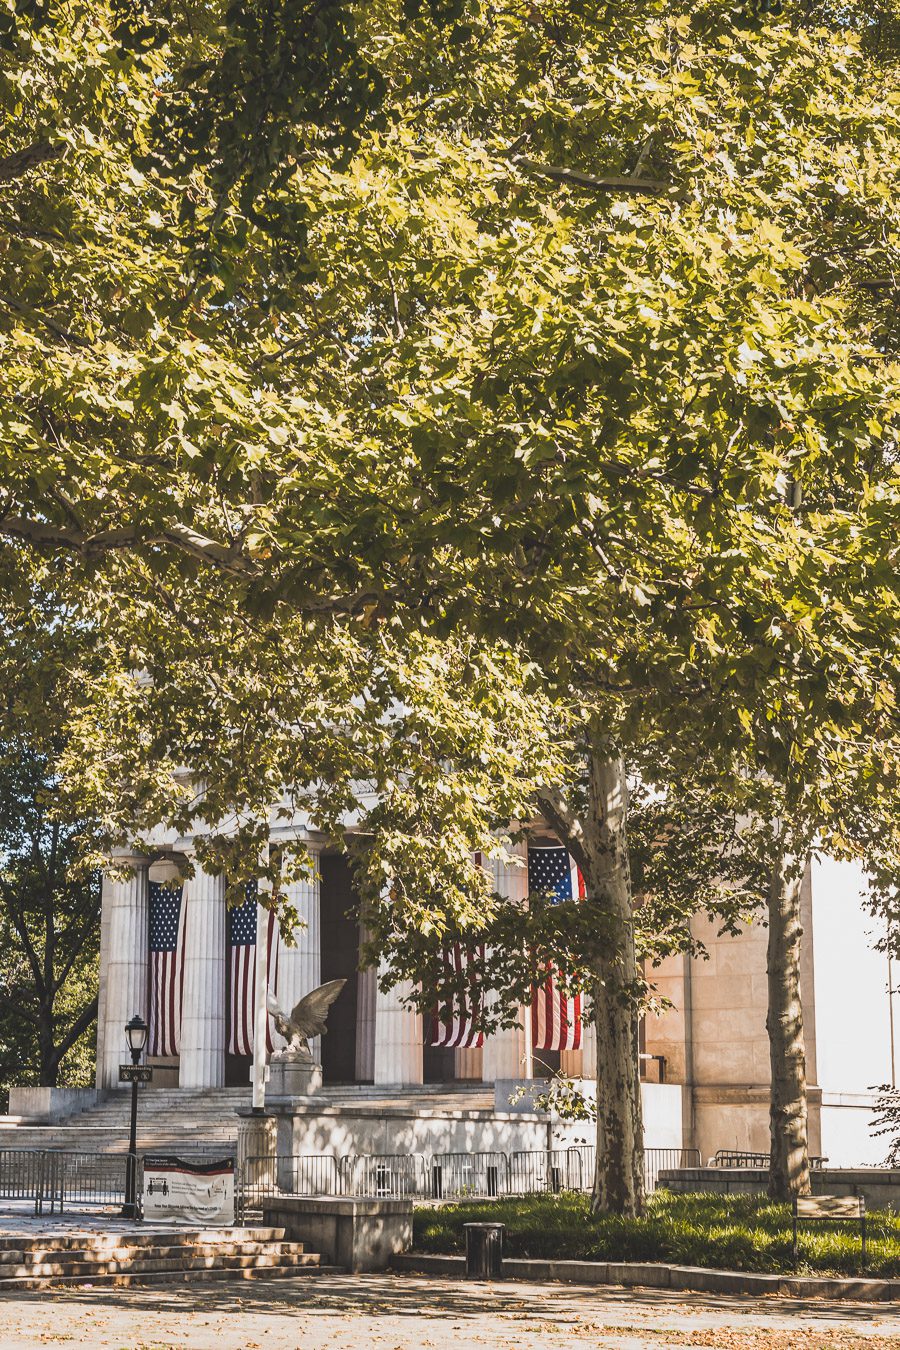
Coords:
pixel 386 1312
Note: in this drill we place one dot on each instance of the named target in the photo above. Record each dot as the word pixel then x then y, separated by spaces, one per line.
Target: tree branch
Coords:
pixel 20 161
pixel 183 537
pixel 50 324
pixel 564 821
pixel 634 187
pixel 17 919
pixel 78 1028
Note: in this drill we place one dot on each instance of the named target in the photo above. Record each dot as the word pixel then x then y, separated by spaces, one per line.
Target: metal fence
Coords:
pixel 55 1182
pixel 21 1173
pixel 535 1170
pixel 440 1176
pixel 658 1160
pixel 388 1175
pixel 84 1180
pixel 727 1157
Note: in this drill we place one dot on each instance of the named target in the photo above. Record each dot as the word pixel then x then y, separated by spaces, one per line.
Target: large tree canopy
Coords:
pixel 330 332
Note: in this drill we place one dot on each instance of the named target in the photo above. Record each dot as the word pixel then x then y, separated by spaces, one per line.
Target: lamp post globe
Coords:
pixel 136 1036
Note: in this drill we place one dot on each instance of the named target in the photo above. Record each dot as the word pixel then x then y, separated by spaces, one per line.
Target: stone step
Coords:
pixel 87 1269
pixel 142 1238
pixel 157 1251
pixel 117 1259
pixel 123 1281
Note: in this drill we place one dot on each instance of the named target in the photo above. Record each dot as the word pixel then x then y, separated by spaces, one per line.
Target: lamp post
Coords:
pixel 136 1036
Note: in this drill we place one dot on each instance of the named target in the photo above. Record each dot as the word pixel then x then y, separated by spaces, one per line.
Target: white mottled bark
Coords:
pixel 789 1165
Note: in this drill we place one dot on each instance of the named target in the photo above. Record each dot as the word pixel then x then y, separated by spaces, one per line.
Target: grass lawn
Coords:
pixel 734 1232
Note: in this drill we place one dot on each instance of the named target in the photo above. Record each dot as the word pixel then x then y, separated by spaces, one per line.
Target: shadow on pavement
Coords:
pixel 412 1296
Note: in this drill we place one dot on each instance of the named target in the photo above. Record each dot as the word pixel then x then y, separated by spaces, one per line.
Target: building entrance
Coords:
pixel 340 961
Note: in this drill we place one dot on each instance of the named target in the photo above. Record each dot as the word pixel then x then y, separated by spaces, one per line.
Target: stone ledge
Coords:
pixel 699 1279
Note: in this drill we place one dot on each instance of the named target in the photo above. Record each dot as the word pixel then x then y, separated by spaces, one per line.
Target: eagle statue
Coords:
pixel 307 1018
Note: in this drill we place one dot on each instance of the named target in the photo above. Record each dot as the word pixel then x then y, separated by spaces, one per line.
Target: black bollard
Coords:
pixel 484 1250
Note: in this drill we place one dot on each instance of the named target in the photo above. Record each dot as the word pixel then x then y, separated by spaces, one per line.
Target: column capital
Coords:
pixel 130 858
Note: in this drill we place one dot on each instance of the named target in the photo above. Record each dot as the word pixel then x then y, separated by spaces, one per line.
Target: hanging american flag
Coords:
pixel 555 1014
pixel 166 968
pixel 452 1022
pixel 242 927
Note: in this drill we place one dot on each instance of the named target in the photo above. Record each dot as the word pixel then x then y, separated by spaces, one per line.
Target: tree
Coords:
pixel 49 889
pixel 533 354
pixel 50 928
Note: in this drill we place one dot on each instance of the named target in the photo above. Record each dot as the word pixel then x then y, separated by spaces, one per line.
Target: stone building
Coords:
pixel 705 1058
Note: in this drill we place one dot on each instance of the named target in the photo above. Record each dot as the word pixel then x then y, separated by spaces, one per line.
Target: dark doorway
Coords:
pixel 237 1070
pixel 546 1063
pixel 438 1064
pixel 340 960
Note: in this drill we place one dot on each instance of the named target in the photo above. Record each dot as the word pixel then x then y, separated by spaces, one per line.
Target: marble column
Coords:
pixel 366 999
pixel 507 1053
pixel 202 1062
pixel 589 1051
pixel 300 967
pixel 398 1038
pixel 468 1064
pixel 105 905
pixel 123 970
pixel 571 1062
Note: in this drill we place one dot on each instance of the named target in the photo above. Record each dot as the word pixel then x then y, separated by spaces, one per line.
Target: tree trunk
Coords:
pixel 48 1059
pixel 619 1175
pixel 789 1166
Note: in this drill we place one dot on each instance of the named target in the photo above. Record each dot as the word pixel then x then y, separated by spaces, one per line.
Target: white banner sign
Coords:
pixel 180 1190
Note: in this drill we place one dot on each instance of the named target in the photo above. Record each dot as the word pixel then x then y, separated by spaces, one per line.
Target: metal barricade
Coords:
pixel 262 1178
pixel 83 1181
pixel 532 1171
pixel 584 1158
pixel 456 1176
pixel 727 1157
pixel 658 1160
pixel 21 1173
pixel 388 1175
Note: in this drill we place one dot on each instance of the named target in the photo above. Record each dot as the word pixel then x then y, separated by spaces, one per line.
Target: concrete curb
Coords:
pixel 699 1279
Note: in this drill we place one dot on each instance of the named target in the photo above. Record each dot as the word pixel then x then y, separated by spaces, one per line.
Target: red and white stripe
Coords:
pixel 455 1029
pixel 166 979
pixel 555 1017
pixel 243 986
pixel 555 1014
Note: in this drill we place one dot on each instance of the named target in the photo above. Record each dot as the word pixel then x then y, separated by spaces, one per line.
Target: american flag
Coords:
pixel 242 926
pixel 452 1022
pixel 555 1015
pixel 166 968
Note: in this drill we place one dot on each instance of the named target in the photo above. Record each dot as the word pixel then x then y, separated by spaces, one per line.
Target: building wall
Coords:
pixel 854 1000
pixel 714 1036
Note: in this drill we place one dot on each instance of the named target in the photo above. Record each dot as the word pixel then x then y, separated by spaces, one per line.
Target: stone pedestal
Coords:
pixel 257 1136
pixel 293 1076
pixel 358 1234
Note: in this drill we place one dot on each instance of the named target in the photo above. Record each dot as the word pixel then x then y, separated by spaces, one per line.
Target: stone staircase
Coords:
pixel 181 1120
pixel 169 1120
pixel 161 1256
